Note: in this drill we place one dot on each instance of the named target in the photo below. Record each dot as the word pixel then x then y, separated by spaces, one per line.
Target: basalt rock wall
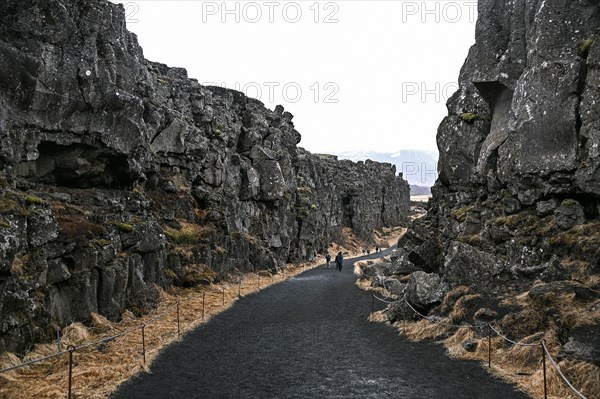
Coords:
pixel 516 205
pixel 119 176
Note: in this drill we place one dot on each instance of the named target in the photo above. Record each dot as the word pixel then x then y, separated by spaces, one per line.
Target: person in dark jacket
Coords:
pixel 339 261
pixel 328 259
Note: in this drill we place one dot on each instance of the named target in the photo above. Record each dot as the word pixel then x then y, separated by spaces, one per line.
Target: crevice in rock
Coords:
pixel 77 166
pixel 499 99
pixel 348 211
pixel 580 89
pixel 381 218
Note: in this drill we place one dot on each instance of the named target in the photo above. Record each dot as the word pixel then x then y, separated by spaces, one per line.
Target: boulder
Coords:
pixel 569 214
pixel 394 286
pixel 583 344
pixel 545 208
pixel 401 265
pixel 466 265
pixel 423 290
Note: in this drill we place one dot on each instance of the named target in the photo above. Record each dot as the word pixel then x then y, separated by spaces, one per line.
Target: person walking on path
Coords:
pixel 339 261
pixel 328 259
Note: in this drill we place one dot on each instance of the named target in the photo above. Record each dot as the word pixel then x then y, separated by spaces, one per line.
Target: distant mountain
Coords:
pixel 420 190
pixel 419 167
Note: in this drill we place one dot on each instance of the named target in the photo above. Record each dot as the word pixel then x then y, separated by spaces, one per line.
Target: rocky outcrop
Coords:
pixel 119 176
pixel 517 200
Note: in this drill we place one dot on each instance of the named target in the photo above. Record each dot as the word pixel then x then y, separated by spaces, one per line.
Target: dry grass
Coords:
pixel 352 245
pixel 388 236
pixel 378 317
pixel 521 365
pixel 452 296
pixel 101 368
pixel 365 283
pixel 422 330
pixel 188 234
pixel 460 312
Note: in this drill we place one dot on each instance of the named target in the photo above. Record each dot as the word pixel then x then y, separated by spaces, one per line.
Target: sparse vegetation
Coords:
pixel 584 48
pixel 468 117
pixel 304 190
pixel 518 364
pixel 569 202
pixel 124 227
pixel 513 221
pixel 9 204
pixel 461 213
pixel 187 234
pixel 197 274
pixel 33 200
pixel 182 237
pixel 545 226
pixel 101 243
pixel 584 237
pixel 473 239
pixel 102 368
pixel 78 229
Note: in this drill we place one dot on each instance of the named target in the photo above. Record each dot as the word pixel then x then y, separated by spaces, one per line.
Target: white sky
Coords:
pixel 375 76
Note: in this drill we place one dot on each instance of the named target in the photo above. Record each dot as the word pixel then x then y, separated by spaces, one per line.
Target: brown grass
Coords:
pixel 101 368
pixel 452 296
pixel 521 365
pixel 78 229
pixel 365 283
pixel 352 245
pixel 460 312
pixel 189 234
pixel 378 317
pixel 518 364
pixel 422 330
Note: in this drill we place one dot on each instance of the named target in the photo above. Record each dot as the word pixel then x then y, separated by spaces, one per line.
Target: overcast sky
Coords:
pixel 356 74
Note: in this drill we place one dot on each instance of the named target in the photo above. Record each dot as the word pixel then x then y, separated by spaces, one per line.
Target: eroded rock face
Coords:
pixel 119 175
pixel 517 200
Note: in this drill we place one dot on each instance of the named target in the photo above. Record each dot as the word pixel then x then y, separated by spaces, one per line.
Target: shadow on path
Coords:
pixel 309 337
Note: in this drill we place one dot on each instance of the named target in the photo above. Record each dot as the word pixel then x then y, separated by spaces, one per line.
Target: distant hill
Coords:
pixel 420 190
pixel 419 167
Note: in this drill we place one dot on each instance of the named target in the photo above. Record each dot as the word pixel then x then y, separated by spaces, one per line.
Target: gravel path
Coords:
pixel 309 338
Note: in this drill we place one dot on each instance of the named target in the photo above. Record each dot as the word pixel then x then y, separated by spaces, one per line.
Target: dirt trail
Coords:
pixel 309 338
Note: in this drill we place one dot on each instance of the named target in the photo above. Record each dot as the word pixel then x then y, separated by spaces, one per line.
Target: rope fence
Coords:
pixel 72 349
pixel 491 329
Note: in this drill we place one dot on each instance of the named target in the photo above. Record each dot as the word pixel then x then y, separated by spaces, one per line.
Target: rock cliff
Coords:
pixel 119 175
pixel 516 206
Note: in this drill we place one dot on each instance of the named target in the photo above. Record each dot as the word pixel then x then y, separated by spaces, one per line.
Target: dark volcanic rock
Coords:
pixel 518 194
pixel 423 290
pixel 583 344
pixel 466 265
pixel 145 178
pixel 569 214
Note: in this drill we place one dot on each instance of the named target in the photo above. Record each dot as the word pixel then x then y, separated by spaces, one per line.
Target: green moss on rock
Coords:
pixel 468 117
pixel 584 48
pixel 461 213
pixel 33 200
pixel 569 202
pixel 124 227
